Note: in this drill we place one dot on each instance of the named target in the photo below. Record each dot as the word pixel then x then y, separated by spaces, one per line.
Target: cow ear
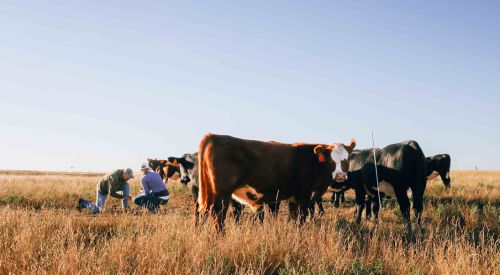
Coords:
pixel 171 159
pixel 175 163
pixel 319 151
pixel 352 144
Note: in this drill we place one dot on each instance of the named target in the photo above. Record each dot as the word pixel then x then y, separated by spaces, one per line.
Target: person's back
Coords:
pixel 112 183
pixel 153 184
pixel 154 191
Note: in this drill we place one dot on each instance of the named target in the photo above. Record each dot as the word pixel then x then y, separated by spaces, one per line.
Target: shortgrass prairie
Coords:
pixel 41 232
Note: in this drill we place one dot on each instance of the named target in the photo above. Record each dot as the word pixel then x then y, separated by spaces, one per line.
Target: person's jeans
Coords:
pixel 150 202
pixel 101 199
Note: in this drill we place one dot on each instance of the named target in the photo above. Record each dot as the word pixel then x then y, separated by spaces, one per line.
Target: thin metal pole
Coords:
pixel 376 172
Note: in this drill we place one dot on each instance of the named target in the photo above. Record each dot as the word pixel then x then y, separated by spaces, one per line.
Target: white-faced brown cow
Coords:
pixel 255 173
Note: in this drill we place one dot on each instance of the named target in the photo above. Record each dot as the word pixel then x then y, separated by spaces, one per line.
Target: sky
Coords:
pixel 100 85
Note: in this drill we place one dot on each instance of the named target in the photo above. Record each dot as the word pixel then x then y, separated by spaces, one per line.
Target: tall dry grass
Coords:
pixel 41 232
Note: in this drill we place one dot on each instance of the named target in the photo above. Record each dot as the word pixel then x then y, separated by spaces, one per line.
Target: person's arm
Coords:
pixel 145 187
pixel 114 186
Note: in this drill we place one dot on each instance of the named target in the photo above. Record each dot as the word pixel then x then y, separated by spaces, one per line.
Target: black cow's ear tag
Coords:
pixel 321 157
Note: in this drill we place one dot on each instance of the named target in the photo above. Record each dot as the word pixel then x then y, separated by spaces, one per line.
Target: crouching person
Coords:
pixel 110 184
pixel 154 193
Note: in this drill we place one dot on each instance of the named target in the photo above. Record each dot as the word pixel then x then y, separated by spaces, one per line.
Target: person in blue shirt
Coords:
pixel 154 192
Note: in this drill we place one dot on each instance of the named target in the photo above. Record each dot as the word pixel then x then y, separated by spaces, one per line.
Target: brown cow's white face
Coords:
pixel 340 156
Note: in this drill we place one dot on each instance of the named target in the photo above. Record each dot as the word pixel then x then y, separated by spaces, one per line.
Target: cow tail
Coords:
pixel 420 180
pixel 205 185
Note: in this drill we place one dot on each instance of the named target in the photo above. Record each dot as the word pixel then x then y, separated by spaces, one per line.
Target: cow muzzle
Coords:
pixel 185 180
pixel 175 176
pixel 340 177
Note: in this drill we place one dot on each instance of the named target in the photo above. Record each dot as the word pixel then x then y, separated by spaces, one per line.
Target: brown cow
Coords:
pixel 256 172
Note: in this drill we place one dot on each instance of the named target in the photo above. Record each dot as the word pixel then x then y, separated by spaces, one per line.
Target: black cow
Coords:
pixel 188 169
pixel 436 165
pixel 439 165
pixel 400 167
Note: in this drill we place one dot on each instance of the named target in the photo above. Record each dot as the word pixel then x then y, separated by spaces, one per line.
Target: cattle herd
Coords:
pixel 232 171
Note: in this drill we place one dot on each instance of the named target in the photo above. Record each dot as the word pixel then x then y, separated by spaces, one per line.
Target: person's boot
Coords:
pixel 81 204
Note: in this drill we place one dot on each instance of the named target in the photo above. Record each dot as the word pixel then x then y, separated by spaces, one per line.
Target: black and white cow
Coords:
pixel 400 167
pixel 188 169
pixel 439 165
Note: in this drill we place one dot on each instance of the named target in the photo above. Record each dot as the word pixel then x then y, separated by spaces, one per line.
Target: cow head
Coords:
pixel 186 164
pixel 156 165
pixel 439 165
pixel 166 168
pixel 338 156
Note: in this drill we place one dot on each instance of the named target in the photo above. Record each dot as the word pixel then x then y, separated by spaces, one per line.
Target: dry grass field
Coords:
pixel 41 232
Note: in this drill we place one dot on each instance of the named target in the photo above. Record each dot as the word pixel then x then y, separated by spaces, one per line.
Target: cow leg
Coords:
pixel 321 210
pixel 368 209
pixel 259 215
pixel 360 202
pixel 404 206
pixel 341 196
pixel 311 209
pixel 336 204
pixel 418 205
pixel 200 217
pixel 274 208
pixel 237 210
pixel 219 210
pixel 375 208
pixel 332 199
pixel 195 190
pixel 196 213
pixel 292 211
pixel 303 210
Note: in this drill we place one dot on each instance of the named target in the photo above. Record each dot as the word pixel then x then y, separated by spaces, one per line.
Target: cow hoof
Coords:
pixel 408 229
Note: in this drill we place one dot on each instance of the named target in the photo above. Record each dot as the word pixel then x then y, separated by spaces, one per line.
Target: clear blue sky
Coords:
pixel 104 84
